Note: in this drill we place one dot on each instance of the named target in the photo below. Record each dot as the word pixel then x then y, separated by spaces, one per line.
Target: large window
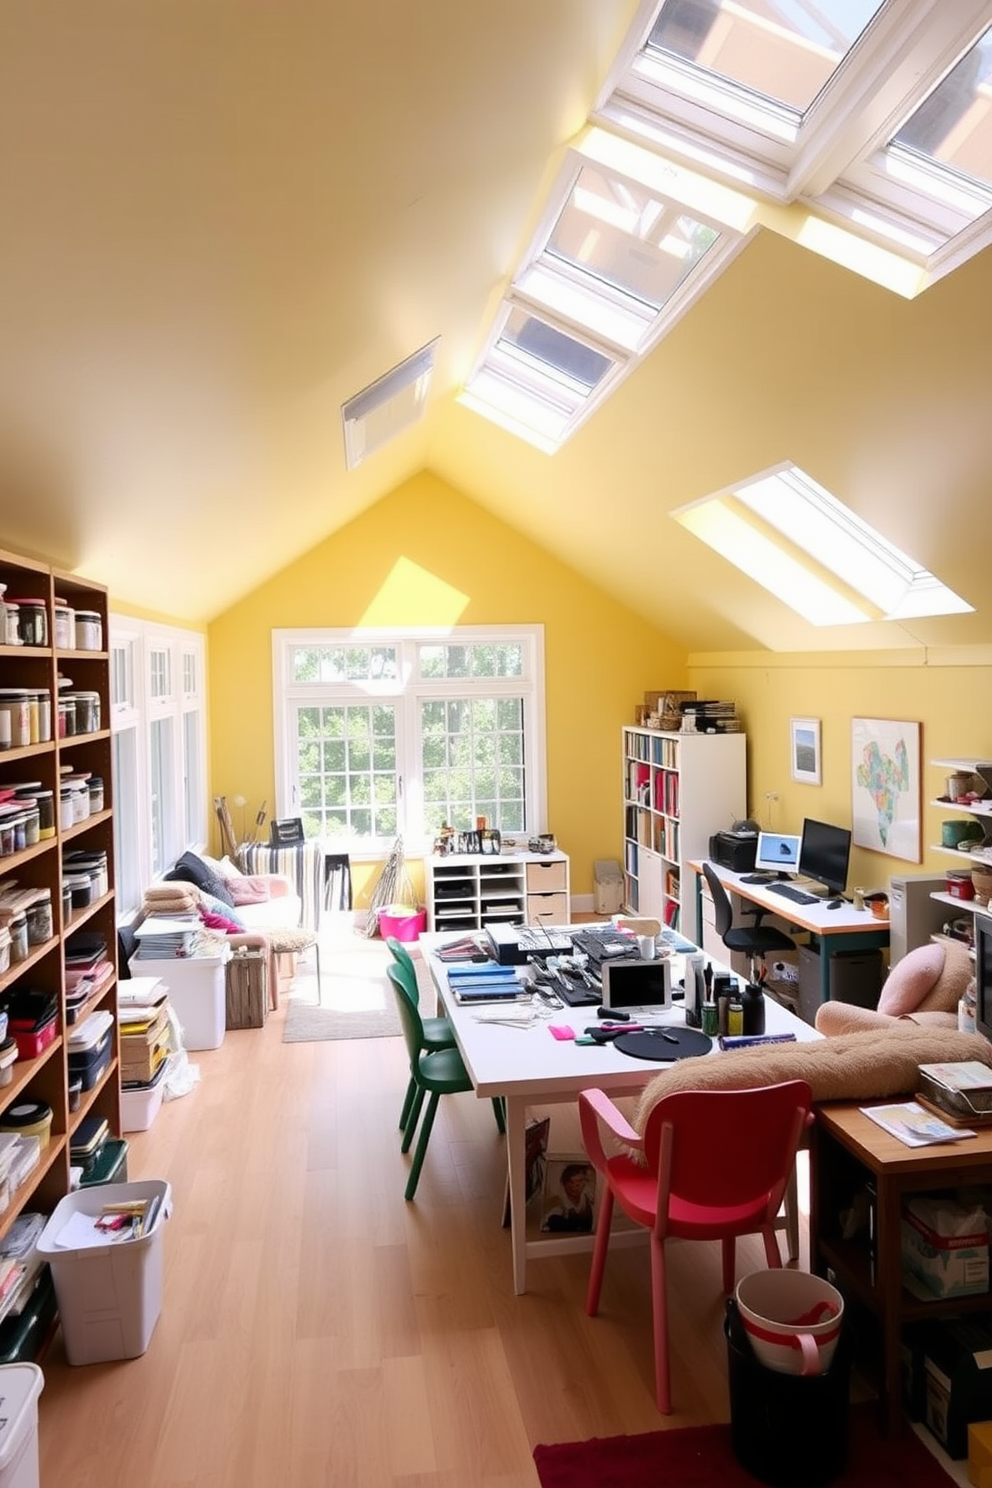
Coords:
pixel 158 717
pixel 379 735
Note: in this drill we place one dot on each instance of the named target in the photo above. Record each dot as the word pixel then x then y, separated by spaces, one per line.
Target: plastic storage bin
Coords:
pixel 140 1104
pixel 402 927
pixel 20 1386
pixel 109 1296
pixel 109 1165
pixel 197 991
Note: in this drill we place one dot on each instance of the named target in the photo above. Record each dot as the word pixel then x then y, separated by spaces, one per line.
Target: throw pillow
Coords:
pixel 191 869
pixel 218 922
pixel 223 867
pixel 247 890
pixel 911 979
pixel 218 907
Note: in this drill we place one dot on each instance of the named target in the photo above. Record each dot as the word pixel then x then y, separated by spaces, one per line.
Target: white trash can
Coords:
pixel 20 1386
pixel 109 1294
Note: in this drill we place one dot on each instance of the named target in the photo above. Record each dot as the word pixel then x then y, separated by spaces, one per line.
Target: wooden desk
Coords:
pixel 831 931
pixel 528 1067
pixel 847 1148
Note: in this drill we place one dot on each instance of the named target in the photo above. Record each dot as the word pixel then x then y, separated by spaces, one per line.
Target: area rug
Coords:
pixel 356 999
pixel 307 1024
pixel 702 1457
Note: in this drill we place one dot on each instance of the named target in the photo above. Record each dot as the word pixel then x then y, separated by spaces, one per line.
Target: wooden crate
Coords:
pixel 247 990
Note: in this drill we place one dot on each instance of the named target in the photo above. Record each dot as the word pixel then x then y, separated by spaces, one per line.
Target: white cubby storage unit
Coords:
pixel 678 789
pixel 981 810
pixel 465 892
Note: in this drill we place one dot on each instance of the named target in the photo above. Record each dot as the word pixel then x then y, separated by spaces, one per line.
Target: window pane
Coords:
pixel 193 796
pixel 785 50
pixel 161 740
pixel 628 238
pixel 325 664
pixel 129 885
pixel 953 127
pixel 346 765
pixel 463 772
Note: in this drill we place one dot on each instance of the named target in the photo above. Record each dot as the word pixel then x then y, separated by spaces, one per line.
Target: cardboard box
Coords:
pixel 958 1369
pixel 945 1249
pixel 980 1454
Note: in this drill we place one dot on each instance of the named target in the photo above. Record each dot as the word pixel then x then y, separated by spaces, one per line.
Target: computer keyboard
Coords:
pixel 798 896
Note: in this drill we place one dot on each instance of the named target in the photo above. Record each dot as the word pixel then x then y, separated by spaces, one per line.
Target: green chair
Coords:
pixel 438 1032
pixel 434 1072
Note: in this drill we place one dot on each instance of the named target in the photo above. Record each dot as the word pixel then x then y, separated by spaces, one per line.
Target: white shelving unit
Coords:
pixel 678 789
pixel 465 892
pixel 980 810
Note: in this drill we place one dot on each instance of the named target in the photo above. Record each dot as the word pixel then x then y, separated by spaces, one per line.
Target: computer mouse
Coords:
pixel 835 904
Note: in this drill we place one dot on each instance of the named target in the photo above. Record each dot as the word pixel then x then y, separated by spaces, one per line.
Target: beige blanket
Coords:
pixel 852 1066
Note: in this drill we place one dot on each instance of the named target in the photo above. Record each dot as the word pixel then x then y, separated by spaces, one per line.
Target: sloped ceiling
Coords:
pixel 221 220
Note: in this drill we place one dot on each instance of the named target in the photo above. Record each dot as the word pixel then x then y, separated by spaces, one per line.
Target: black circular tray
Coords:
pixel 651 1045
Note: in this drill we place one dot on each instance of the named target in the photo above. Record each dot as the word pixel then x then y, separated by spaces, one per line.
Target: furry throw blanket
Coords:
pixel 853 1066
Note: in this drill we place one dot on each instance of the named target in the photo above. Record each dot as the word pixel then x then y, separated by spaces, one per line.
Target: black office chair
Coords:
pixel 754 940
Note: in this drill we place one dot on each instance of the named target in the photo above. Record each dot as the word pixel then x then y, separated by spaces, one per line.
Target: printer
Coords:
pixel 735 850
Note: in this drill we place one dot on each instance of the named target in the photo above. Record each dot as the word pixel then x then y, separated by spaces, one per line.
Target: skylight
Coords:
pixel 785 52
pixel 870 119
pixel 804 546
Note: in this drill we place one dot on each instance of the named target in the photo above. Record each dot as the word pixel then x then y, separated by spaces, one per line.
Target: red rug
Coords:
pixel 701 1457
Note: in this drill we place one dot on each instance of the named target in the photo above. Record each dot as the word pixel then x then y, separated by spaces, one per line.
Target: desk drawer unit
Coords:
pixel 547 878
pixel 547 909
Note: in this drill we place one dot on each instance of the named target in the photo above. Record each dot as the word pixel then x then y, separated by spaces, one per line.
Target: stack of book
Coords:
pixel 160 937
pixel 710 717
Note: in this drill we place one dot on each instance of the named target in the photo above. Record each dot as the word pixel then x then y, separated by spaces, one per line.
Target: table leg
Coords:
pixel 516 1157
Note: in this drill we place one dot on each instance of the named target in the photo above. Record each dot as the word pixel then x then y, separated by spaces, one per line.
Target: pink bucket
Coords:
pixel 792 1318
pixel 402 927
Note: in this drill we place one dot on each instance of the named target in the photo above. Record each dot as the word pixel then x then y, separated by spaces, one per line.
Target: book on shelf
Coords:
pixel 913 1124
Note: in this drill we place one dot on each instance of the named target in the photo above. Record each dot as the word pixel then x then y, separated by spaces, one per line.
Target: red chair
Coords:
pixel 685 1188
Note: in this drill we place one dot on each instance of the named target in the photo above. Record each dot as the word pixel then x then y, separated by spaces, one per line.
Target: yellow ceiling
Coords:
pixel 222 219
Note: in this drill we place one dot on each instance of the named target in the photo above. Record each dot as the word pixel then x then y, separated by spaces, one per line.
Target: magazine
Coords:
pixel 914 1125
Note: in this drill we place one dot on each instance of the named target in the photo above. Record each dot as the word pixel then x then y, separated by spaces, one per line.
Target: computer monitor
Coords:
pixel 777 852
pixel 824 854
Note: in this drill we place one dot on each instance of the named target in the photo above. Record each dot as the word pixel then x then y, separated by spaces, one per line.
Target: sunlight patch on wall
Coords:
pixel 411 595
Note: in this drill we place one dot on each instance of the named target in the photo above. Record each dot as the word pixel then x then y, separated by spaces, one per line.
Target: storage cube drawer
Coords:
pixel 546 878
pixel 547 909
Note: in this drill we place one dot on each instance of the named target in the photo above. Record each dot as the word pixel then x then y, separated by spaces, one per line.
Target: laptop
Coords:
pixel 641 988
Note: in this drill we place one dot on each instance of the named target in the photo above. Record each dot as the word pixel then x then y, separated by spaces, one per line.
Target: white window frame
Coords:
pixel 185 663
pixel 407 692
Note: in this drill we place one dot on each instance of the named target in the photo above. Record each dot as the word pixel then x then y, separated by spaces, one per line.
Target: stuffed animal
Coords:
pixel 925 987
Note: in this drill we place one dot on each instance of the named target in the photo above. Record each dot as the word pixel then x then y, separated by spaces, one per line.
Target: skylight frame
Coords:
pixel 835 568
pixel 835 160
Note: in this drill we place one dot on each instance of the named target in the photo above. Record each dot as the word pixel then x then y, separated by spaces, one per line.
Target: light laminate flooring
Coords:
pixel 316 1329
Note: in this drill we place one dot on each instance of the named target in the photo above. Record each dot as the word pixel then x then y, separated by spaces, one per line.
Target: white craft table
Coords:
pixel 529 1067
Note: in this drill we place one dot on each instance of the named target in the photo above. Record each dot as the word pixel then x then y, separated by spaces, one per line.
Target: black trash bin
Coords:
pixel 787 1430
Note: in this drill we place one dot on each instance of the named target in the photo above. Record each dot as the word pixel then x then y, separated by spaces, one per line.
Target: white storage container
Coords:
pixel 20 1386
pixel 140 1106
pixel 197 992
pixel 109 1296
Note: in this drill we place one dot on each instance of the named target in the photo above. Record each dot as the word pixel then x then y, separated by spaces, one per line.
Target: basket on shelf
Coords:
pixel 981 879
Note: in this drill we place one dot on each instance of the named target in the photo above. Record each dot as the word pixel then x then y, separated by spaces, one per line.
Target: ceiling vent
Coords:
pixel 394 402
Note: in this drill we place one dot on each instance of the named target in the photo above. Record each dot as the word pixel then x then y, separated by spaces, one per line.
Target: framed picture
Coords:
pixel 885 787
pixel 804 750
pixel 569 1201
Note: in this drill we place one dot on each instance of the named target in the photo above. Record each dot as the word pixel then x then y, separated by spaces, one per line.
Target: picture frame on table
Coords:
pixel 885 787
pixel 804 750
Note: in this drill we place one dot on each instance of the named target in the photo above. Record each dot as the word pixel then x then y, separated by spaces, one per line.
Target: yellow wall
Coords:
pixel 427 555
pixel 949 700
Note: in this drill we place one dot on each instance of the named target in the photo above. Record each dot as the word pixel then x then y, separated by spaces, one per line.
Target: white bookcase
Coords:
pixel 465 892
pixel 981 811
pixel 678 789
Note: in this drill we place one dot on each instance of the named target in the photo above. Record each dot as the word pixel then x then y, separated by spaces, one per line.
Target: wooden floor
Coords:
pixel 316 1329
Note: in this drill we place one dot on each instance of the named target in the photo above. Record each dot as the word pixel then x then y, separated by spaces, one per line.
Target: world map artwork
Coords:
pixel 885 777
